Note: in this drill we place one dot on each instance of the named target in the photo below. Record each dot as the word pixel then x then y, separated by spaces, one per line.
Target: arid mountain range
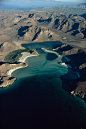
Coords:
pixel 66 24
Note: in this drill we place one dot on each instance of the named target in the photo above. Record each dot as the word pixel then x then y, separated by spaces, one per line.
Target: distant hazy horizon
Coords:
pixel 28 5
pixel 81 1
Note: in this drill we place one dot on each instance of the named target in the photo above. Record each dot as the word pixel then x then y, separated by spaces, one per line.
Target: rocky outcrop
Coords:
pixel 5 80
pixel 80 90
pixel 76 87
pixel 76 54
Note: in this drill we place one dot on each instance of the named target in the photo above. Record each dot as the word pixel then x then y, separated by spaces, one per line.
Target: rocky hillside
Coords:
pixel 76 87
pixel 35 33
pixel 68 25
pixel 26 26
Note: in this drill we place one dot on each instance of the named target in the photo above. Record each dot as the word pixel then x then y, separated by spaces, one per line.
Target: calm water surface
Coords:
pixel 37 100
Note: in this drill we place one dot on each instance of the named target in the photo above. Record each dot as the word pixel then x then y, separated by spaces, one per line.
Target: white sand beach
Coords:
pixel 49 51
pixel 67 65
pixel 9 72
pixel 25 55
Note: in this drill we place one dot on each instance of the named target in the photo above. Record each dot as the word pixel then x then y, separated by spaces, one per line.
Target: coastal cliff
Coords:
pixel 76 87
pixel 5 79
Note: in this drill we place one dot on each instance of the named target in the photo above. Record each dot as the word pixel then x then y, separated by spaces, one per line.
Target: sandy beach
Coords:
pixel 10 71
pixel 64 58
pixel 49 51
pixel 67 65
pixel 24 56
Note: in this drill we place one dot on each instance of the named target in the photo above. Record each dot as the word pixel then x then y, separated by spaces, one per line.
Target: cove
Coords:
pixel 36 99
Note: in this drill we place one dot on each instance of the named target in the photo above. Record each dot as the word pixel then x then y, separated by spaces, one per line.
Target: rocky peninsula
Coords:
pixel 76 87
pixel 5 73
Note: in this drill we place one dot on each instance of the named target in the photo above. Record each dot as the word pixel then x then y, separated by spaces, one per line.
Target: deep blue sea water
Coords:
pixel 21 5
pixel 36 99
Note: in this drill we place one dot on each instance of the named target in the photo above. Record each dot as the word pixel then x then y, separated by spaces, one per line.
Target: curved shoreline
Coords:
pixel 63 63
pixel 10 71
pixel 22 59
pixel 24 56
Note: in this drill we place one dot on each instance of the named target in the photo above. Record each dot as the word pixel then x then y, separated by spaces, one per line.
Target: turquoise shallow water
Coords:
pixel 37 100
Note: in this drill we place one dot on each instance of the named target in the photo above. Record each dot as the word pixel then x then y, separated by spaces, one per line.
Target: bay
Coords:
pixel 36 99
